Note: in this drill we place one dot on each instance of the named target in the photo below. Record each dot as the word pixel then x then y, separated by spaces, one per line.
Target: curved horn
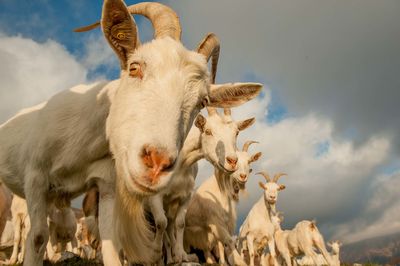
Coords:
pixel 211 111
pixel 165 21
pixel 265 175
pixel 88 27
pixel 247 144
pixel 210 47
pixel 277 176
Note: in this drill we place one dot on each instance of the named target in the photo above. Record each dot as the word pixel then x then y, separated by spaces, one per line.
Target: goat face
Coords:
pixel 271 188
pixel 335 245
pixel 162 88
pixel 241 175
pixel 218 139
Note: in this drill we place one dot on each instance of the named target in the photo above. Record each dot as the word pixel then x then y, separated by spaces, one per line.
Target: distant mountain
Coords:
pixel 380 250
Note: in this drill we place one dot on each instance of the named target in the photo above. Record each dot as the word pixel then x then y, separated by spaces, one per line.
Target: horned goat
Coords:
pixel 211 215
pixel 213 138
pixel 124 135
pixel 257 231
pixel 301 240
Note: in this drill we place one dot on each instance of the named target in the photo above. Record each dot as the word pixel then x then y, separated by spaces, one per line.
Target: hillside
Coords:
pixel 382 250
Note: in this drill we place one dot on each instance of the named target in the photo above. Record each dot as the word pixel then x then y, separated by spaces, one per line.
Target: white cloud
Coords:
pixel 381 213
pixel 31 72
pixel 97 52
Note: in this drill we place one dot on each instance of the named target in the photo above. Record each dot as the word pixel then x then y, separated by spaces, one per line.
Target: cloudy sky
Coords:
pixel 329 115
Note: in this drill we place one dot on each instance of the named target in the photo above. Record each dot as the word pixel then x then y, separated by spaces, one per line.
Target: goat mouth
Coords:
pixel 225 169
pixel 144 188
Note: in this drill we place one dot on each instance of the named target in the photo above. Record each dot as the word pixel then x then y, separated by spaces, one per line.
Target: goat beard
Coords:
pixel 132 232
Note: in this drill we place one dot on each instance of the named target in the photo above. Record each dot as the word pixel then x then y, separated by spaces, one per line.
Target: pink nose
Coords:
pixel 232 161
pixel 157 162
pixel 243 177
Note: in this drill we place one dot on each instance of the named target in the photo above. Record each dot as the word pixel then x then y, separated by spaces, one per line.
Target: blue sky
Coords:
pixel 329 113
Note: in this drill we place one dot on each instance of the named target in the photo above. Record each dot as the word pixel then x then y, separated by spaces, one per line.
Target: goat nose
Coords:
pixel 157 161
pixel 243 176
pixel 232 161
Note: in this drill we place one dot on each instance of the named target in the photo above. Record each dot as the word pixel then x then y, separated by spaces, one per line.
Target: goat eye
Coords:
pixel 208 132
pixel 135 70
pixel 251 170
pixel 237 133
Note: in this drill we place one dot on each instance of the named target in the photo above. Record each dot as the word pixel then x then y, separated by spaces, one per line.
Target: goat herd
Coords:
pixel 130 147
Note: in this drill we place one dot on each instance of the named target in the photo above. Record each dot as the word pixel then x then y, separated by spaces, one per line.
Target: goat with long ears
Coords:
pixel 124 135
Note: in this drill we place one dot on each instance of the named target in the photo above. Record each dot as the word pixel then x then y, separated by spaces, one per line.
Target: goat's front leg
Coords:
pixel 271 246
pixel 24 234
pixel 223 236
pixel 178 250
pixel 52 246
pixel 106 207
pixel 168 242
pixel 250 248
pixel 221 253
pixel 75 245
pixel 17 238
pixel 36 199
pixel 156 207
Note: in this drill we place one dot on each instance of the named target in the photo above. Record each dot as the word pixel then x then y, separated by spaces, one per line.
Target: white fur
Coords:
pixel 96 133
pixel 335 252
pixel 21 224
pixel 257 231
pixel 216 141
pixel 211 216
pixel 301 240
pixel 62 229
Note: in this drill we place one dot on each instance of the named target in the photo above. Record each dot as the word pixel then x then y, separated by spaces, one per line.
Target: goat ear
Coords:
pixel 329 244
pixel 200 122
pixel 119 28
pixel 261 184
pixel 282 187
pixel 242 125
pixel 232 94
pixel 255 157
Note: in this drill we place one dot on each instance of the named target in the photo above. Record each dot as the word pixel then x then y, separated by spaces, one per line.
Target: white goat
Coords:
pixel 301 240
pixel 335 250
pixel 257 231
pixel 123 135
pixel 62 228
pixel 21 223
pixel 215 140
pixel 211 215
